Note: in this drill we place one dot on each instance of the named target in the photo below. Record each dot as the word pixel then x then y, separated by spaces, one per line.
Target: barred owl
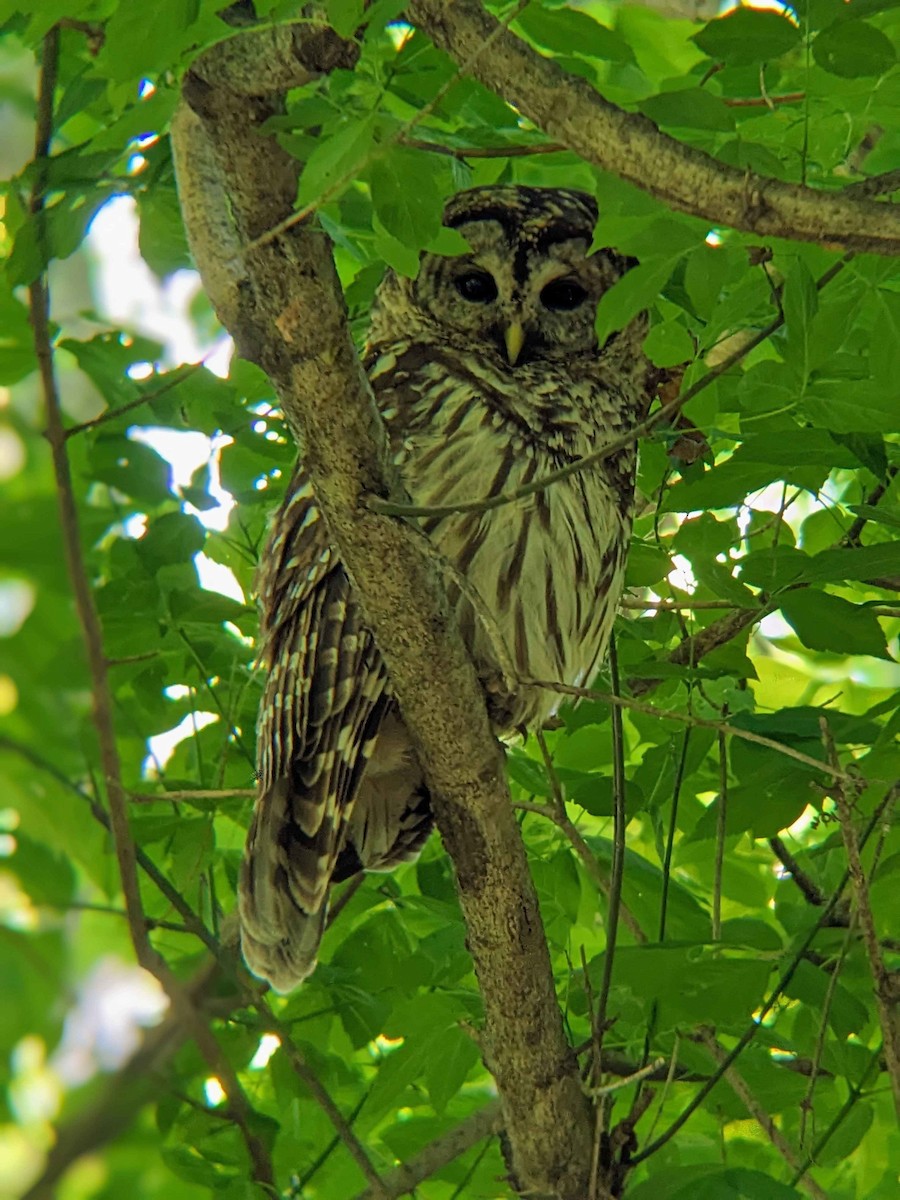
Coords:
pixel 487 374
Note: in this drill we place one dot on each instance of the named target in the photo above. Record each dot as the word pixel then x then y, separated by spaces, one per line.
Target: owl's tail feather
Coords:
pixel 286 963
pixel 284 884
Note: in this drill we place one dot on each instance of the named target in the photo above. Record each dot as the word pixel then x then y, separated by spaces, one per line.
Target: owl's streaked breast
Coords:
pixel 548 568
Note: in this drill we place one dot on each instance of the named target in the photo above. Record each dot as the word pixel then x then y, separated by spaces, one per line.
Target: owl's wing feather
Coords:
pixel 325 698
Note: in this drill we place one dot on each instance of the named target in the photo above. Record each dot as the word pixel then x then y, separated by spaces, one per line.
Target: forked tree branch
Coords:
pixel 570 112
pixel 281 301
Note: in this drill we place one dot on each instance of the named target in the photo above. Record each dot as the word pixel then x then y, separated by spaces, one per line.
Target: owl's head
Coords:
pixel 528 290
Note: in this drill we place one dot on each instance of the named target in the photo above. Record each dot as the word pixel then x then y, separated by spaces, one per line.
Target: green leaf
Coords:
pixel 131 467
pixel 851 406
pixel 688 108
pixel 883 514
pixel 859 562
pixel 646 564
pixel 568 31
pixel 884 345
pixel 345 16
pixel 16 340
pixel 774 568
pixel 825 622
pixel 707 1182
pixel 705 273
pixel 854 49
pixel 47 877
pixel 405 197
pixel 128 53
pixel 747 36
pixel 395 253
pixel 868 449
pixel 689 983
pixel 55 233
pixel 632 294
pixel 335 160
pixel 729 483
pixel 810 985
pixel 669 344
pixel 162 239
pixel 171 538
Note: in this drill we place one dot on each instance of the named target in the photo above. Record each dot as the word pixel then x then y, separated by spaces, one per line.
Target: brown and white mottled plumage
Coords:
pixel 487 374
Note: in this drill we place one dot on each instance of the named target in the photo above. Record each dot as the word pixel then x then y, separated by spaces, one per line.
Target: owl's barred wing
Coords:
pixel 324 702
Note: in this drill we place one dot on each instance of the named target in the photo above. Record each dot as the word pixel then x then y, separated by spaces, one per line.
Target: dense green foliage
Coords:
pixel 787 506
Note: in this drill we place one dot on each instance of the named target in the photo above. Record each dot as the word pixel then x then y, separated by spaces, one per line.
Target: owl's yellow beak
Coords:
pixel 515 340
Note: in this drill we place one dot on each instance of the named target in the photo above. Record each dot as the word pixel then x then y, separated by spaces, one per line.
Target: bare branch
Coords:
pixel 569 111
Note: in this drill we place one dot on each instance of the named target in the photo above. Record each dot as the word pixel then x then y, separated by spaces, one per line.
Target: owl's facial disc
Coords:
pixel 527 302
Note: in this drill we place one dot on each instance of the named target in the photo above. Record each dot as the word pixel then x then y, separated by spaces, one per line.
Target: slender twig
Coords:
pixel 309 1079
pixel 583 693
pixel 39 309
pixel 856 1091
pixel 464 152
pixel 763 101
pixel 885 997
pixel 564 823
pixel 824 1018
pixel 187 795
pixel 214 696
pixel 661 416
pixel 335 909
pixel 437 1154
pixel 851 537
pixel 667 1086
pixel 618 857
pixel 697 645
pixel 739 1086
pixel 675 605
pixel 183 372
pixel 594 1074
pixel 636 1077
pixel 670 835
pixel 298 1187
pixel 778 990
pixel 721 824
pixel 809 889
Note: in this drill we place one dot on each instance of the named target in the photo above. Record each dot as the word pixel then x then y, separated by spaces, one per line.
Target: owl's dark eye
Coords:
pixel 562 295
pixel 476 286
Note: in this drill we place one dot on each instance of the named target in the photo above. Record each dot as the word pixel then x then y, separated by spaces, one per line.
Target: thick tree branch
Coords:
pixel 282 303
pixel 570 112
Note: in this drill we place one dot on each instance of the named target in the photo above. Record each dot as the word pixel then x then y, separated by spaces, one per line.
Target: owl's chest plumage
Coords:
pixel 547 569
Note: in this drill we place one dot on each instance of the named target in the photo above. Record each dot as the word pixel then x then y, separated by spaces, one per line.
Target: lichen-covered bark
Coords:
pixel 282 303
pixel 568 110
